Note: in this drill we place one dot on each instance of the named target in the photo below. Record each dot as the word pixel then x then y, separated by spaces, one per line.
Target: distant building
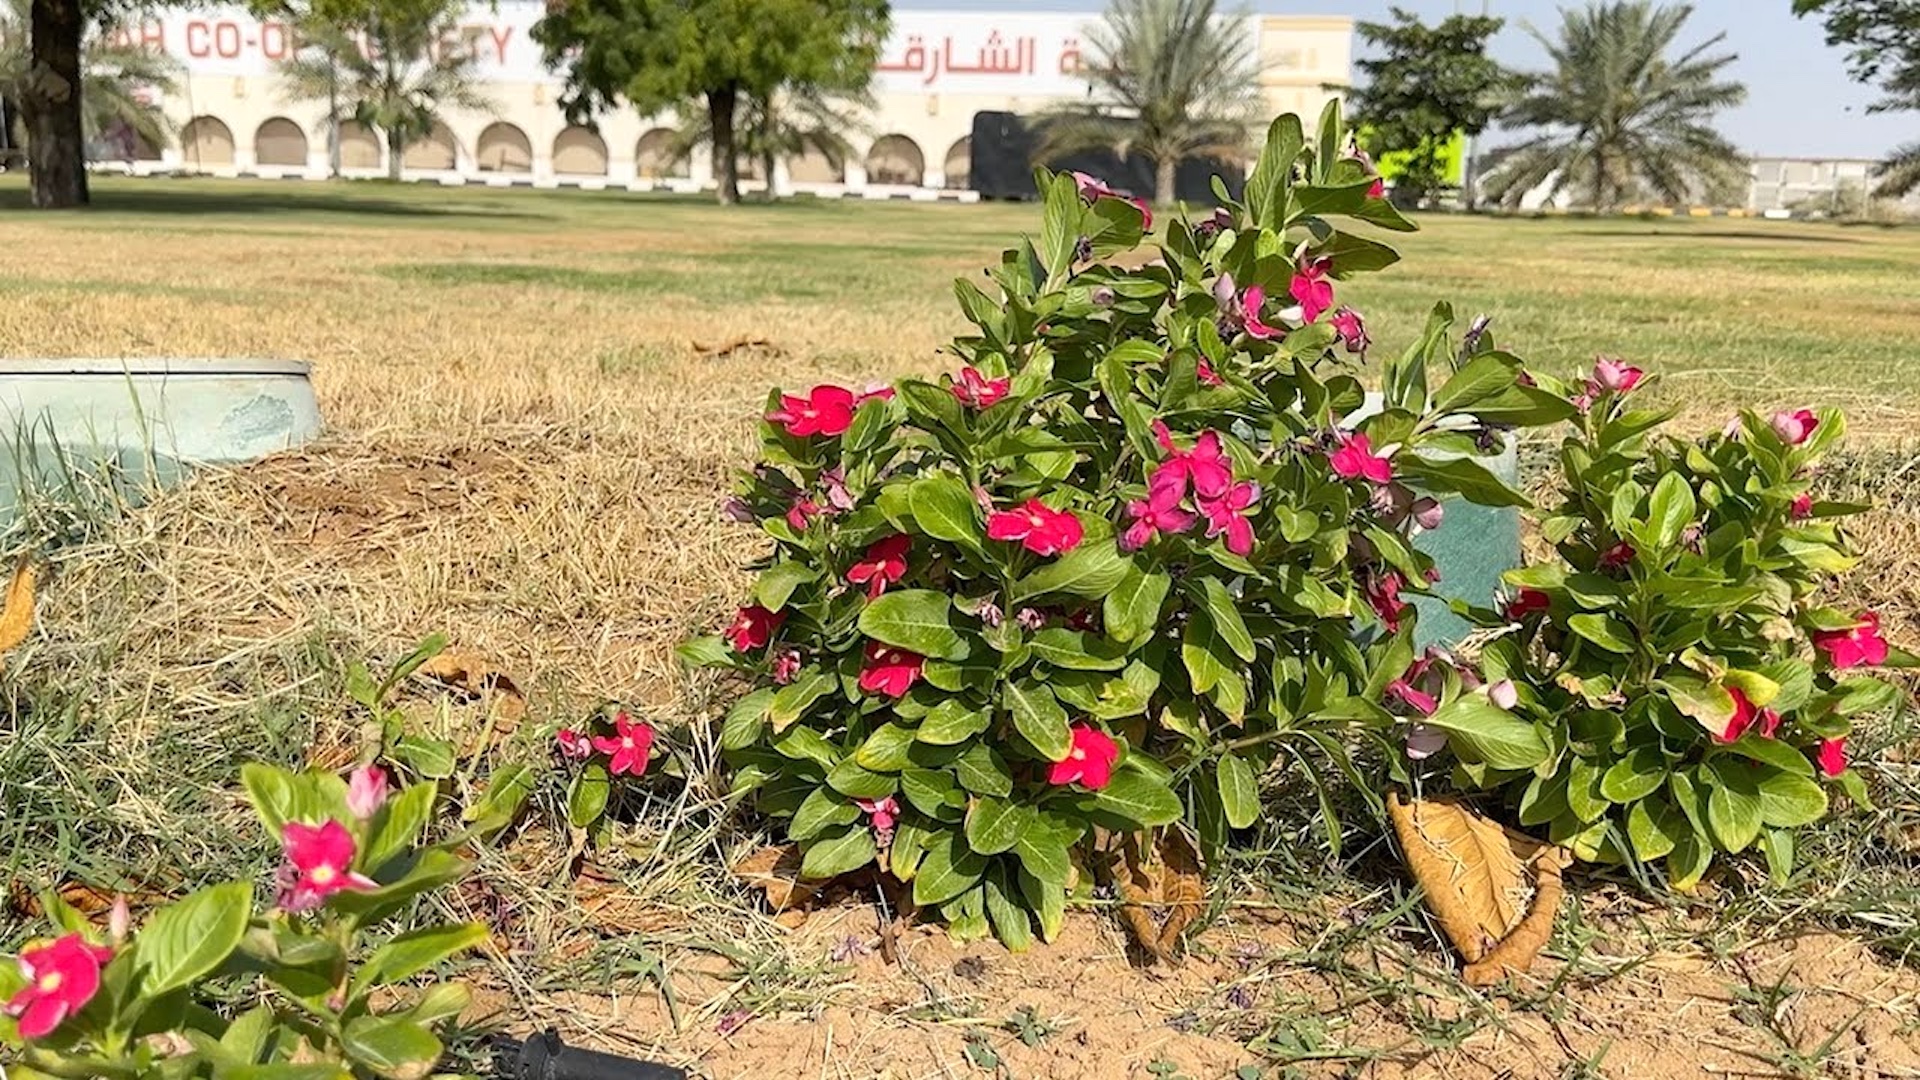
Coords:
pixel 1827 186
pixel 939 68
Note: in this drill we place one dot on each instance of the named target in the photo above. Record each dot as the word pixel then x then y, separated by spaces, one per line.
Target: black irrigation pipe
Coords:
pixel 545 1057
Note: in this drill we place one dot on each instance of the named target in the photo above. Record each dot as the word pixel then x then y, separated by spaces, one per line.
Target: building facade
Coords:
pixel 233 115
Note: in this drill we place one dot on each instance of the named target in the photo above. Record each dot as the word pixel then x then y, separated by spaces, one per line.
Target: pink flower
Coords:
pixel 834 483
pixel 573 744
pixel 1352 330
pixel 1355 459
pixel 1745 713
pixel 1205 373
pixel 62 977
pixel 1795 427
pixel 1311 289
pixel 1860 646
pixel 978 391
pixel 1160 512
pixel 1504 694
pixel 736 509
pixel 1405 693
pixel 630 746
pixel 786 666
pixel 1527 602
pixel 1383 593
pixel 802 513
pixel 1802 507
pixel 874 392
pixel 1250 303
pixel 1206 466
pixel 1227 514
pixel 1089 763
pixel 1833 756
pixel 826 410
pixel 1616 375
pixel 884 564
pixel 1092 189
pixel 890 671
pixel 1618 557
pixel 1039 528
pixel 753 627
pixel 881 812
pixel 321 858
pixel 366 791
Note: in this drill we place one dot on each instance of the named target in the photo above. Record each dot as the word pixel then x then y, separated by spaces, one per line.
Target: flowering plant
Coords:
pixel 1118 562
pixel 1694 689
pixel 598 755
pixel 124 1002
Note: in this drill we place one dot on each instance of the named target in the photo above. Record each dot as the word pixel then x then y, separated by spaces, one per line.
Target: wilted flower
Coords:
pixel 1526 602
pixel 802 513
pixel 1204 372
pixel 572 744
pixel 881 813
pixel 1251 302
pixel 1424 740
pixel 989 614
pixel 735 508
pixel 1382 589
pixel 786 666
pixel 1802 507
pixel 1102 296
pixel 1833 756
pixel 833 482
pixel 1617 558
pixel 1093 190
pixel 1352 330
pixel 1030 619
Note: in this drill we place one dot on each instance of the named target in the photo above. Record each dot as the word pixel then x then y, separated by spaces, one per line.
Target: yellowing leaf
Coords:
pixel 16 619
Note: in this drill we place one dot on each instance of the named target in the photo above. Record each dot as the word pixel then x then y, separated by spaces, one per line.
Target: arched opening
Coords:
pixel 359 146
pixel 814 167
pixel 206 142
pixel 280 141
pixel 959 163
pixel 896 159
pixel 436 151
pixel 653 157
pixel 503 148
pixel 579 151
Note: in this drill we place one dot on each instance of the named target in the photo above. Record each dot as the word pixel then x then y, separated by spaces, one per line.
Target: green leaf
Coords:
pixel 274 795
pixel 1132 610
pixel 952 722
pixel 1010 922
pixel 392 1048
pixel 1225 615
pixel 746 720
pixel 778 581
pixel 838 853
pixel 850 779
pixel 1481 378
pixel 1239 792
pixel 1670 510
pixel 1608 633
pixel 822 809
pixel 917 620
pixel 944 509
pixel 932 792
pixel 949 869
pixel 1772 752
pixel 1778 844
pixel 1060 228
pixel 1038 717
pixel 1043 853
pixel 1654 828
pixel 399 825
pixel 1204 653
pixel 1480 731
pixel 1464 476
pixel 1787 800
pixel 587 797
pixel 1077 650
pixel 1707 703
pixel 1269 184
pixel 417 950
pixel 792 701
pixel 185 940
pixel 705 651
pixel 995 825
pixel 983 771
pixel 1635 776
pixel 507 791
pixel 886 749
pixel 1733 804
pixel 1047 901
pixel 1139 800
pixel 1091 570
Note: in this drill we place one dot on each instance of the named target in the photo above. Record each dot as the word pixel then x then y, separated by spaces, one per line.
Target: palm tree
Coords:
pixel 416 72
pixel 1618 116
pixel 120 85
pixel 788 123
pixel 1171 81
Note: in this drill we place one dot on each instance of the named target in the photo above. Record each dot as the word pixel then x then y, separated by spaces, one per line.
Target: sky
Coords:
pixel 1800 102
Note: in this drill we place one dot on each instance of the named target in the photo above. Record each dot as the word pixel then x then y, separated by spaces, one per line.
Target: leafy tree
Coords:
pixel 410 72
pixel 786 124
pixel 1619 114
pixel 112 78
pixel 1426 84
pixel 1172 80
pixel 1883 39
pixel 661 54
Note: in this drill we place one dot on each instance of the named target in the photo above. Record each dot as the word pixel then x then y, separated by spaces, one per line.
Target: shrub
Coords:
pixel 324 979
pixel 1108 572
pixel 1694 692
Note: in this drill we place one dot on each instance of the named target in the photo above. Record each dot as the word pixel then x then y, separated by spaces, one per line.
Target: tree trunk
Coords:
pixel 726 171
pixel 1163 173
pixel 767 164
pixel 50 103
pixel 396 152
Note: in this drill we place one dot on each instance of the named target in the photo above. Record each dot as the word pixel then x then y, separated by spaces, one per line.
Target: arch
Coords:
pixel 279 141
pixel 959 164
pixel 896 159
pixel 436 151
pixel 359 146
pixel 814 167
pixel 503 147
pixel 653 157
pixel 206 142
pixel 580 151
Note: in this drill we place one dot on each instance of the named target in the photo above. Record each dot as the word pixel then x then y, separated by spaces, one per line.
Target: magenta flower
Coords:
pixel 1833 756
pixel 1205 373
pixel 1352 330
pixel 786 666
pixel 1311 289
pixel 1616 375
pixel 1402 692
pixel 977 391
pixel 1527 602
pixel 1802 507
pixel 1382 589
pixel 1089 763
pixel 890 671
pixel 1227 514
pixel 1617 558
pixel 573 744
pixel 1039 528
pixel 1858 646
pixel 1745 715
pixel 874 392
pixel 1251 302
pixel 630 746
pixel 882 813
pixel 826 410
pixel 884 564
pixel 1158 513
pixel 320 857
pixel 1795 427
pixel 1206 466
pixel 62 976
pixel 802 513
pixel 1354 458
pixel 753 626
pixel 366 791
pixel 833 482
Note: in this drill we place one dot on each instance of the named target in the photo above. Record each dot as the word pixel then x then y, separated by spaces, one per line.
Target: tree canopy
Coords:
pixel 1883 42
pixel 664 54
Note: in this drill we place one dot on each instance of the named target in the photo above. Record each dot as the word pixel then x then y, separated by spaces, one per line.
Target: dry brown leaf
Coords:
pixel 608 904
pixel 472 674
pixel 776 872
pixel 745 343
pixel 16 618
pixel 1161 885
pixel 87 899
pixel 1494 891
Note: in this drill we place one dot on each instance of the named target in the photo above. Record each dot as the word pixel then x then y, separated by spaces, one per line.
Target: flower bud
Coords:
pixel 366 791
pixel 1503 694
pixel 119 920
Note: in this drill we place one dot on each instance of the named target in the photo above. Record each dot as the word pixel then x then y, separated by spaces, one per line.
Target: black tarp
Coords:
pixel 1002 165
